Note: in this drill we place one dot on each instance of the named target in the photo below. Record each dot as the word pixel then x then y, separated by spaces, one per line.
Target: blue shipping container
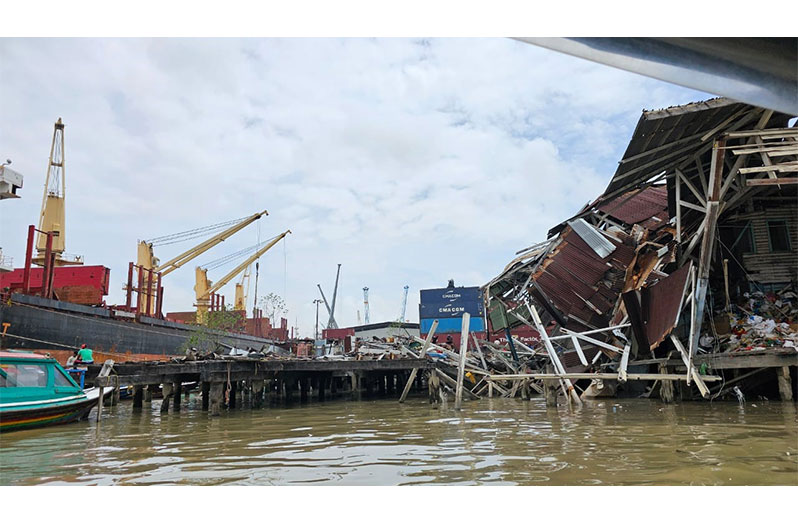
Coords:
pixel 448 325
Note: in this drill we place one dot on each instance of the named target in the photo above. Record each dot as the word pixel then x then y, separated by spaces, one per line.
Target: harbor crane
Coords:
pixel 404 304
pixel 331 323
pixel 242 290
pixel 366 304
pixel 148 263
pixel 204 288
pixel 52 216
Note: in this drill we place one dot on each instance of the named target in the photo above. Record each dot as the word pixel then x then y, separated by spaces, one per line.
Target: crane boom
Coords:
pixel 335 295
pixel 366 304
pixel 185 257
pixel 52 216
pixel 404 305
pixel 232 274
pixel 242 291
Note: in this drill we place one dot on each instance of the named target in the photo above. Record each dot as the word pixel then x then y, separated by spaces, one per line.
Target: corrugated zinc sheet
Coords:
pixel 597 241
pixel 660 304
pixel 648 207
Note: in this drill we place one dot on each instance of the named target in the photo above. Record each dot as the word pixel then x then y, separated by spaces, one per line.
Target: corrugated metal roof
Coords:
pixel 661 305
pixel 647 207
pixel 597 241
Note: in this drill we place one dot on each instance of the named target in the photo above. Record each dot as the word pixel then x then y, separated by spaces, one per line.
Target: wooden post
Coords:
pixel 624 364
pixel 665 386
pixel 216 397
pixel 257 393
pixel 167 394
pixel 231 402
pixel 178 386
pixel 550 388
pixel 138 397
pixel 490 389
pixel 568 387
pixel 458 398
pixel 148 393
pixel 423 355
pixel 100 404
pixel 205 393
pixel 322 387
pixel 304 385
pixel 433 384
pixel 785 383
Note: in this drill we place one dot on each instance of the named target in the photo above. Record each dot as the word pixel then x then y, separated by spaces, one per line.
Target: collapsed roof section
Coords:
pixel 633 255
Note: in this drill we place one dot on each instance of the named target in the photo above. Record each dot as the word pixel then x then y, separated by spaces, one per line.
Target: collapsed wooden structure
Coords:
pixel 699 221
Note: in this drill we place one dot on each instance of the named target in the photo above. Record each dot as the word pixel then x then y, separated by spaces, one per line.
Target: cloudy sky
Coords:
pixel 407 161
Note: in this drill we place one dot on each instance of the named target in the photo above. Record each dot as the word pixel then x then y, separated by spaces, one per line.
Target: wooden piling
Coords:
pixel 138 397
pixel 257 393
pixel 178 387
pixel 231 400
pixel 167 395
pixel 785 383
pixel 458 399
pixel 216 397
pixel 205 393
pixel 665 386
pixel 550 388
pixel 434 384
pixel 148 393
pixel 304 385
pixel 322 388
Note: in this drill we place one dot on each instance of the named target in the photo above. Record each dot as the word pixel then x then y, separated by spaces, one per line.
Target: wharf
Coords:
pixel 221 380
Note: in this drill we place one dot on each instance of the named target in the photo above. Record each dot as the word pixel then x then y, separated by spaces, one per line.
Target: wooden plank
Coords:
pixel 787 132
pixel 783 167
pixel 579 352
pixel 771 181
pixel 588 333
pixel 624 363
pixel 750 360
pixel 568 387
pixel 423 354
pixel 634 376
pixel 691 370
pixel 458 399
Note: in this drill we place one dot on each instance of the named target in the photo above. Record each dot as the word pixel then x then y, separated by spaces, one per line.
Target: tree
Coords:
pixel 272 304
pixel 206 338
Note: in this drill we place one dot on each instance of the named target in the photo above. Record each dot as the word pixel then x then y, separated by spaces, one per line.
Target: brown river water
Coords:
pixel 381 442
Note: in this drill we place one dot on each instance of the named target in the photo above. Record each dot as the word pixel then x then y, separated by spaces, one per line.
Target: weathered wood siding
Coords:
pixel 765 266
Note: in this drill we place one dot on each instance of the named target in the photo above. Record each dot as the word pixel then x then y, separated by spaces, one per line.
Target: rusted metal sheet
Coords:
pixel 661 303
pixel 647 207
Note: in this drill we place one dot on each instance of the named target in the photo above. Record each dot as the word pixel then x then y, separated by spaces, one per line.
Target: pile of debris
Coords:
pixel 765 320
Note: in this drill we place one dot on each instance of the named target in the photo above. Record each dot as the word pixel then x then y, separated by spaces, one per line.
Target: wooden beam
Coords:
pixel 458 399
pixel 596 376
pixel 691 370
pixel 785 167
pixel 558 366
pixel 772 181
pixel 622 375
pixel 414 372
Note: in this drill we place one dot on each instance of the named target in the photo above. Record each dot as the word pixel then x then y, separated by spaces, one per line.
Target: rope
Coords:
pixel 238 254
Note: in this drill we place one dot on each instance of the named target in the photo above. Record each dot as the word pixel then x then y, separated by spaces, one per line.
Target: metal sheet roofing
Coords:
pixel 597 241
pixel 647 207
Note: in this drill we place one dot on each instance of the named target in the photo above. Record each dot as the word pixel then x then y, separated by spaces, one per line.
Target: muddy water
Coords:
pixel 492 441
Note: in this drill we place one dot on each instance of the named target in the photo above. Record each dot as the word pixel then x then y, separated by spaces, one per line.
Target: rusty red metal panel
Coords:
pixel 640 207
pixel 660 304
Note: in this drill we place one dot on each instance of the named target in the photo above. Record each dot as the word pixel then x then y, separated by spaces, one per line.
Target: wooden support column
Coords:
pixel 216 397
pixel 785 383
pixel 138 397
pixel 568 387
pixel 550 388
pixel 168 390
pixel 333 386
pixel 231 400
pixel 433 386
pixel 257 393
pixel 304 385
pixel 178 394
pixel 708 240
pixel 148 393
pixel 458 398
pixel 665 386
pixel 381 384
pixel 322 387
pixel 422 355
pixel 205 392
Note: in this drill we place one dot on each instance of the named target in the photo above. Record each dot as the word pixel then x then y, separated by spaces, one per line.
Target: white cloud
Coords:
pixel 408 161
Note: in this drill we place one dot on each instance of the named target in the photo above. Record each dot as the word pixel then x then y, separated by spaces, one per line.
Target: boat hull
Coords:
pixel 28 417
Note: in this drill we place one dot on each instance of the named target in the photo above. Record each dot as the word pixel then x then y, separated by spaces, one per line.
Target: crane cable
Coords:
pixel 215 264
pixel 193 233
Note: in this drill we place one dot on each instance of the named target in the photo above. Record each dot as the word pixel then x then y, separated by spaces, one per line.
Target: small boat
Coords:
pixel 36 391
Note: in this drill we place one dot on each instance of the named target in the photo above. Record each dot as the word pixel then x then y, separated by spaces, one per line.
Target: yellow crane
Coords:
pixel 147 261
pixel 52 216
pixel 204 288
pixel 242 290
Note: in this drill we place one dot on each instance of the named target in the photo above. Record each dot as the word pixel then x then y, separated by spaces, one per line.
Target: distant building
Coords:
pixel 386 329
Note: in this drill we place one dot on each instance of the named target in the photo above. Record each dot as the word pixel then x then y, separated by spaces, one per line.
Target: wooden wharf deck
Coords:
pixel 253 377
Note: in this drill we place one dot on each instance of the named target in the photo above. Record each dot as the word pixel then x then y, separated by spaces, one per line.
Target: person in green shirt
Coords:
pixel 85 355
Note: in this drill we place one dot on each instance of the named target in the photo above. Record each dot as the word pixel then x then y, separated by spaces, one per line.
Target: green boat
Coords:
pixel 36 391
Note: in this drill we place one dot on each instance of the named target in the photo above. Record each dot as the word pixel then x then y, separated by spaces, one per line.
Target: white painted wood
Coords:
pixel 579 352
pixel 691 371
pixel 414 372
pixel 568 387
pixel 622 325
pixel 458 401
pixel 622 374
